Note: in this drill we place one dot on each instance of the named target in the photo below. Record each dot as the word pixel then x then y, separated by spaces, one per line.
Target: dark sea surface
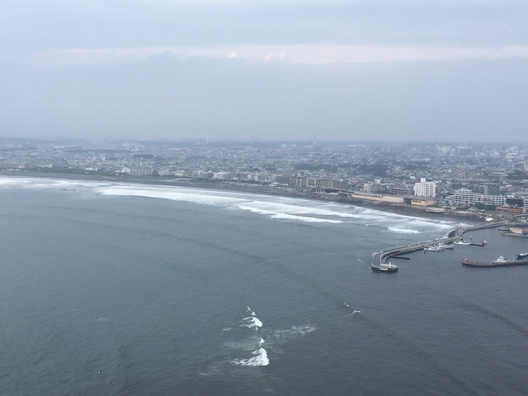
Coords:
pixel 169 291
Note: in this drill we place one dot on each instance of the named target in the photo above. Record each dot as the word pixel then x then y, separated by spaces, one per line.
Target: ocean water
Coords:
pixel 115 289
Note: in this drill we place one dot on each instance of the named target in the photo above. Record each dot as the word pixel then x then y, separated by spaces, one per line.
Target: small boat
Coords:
pixel 462 242
pixel 438 248
pixel 521 256
pixel 384 267
pixel 434 248
pixel 501 260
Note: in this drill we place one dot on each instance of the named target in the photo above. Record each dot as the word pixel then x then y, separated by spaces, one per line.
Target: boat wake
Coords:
pixel 259 355
pixel 252 322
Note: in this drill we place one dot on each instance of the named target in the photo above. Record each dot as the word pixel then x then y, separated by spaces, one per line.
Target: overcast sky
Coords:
pixel 391 70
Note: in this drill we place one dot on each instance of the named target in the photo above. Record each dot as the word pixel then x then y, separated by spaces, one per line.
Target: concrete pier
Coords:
pixel 452 236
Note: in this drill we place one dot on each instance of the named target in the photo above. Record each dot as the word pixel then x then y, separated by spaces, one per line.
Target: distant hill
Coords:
pixel 65 141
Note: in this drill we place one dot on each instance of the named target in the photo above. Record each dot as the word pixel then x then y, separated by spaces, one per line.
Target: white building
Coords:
pixel 465 197
pixel 222 176
pixel 425 188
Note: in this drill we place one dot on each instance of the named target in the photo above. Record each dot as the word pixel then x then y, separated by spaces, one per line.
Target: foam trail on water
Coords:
pixel 403 230
pixel 260 359
pixel 260 355
pixel 252 322
pixel 287 216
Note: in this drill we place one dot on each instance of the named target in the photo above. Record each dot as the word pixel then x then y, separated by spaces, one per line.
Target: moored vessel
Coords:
pixel 384 267
pixel 500 262
pixel 501 259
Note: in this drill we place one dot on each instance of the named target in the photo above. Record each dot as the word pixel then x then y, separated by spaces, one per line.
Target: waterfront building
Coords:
pixel 425 188
pixel 140 171
pixel 222 176
pixel 376 187
pixel 465 197
pixel 377 197
pixel 401 190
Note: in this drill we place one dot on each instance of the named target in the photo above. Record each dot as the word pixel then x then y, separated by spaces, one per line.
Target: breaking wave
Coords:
pixel 260 359
pixel 403 230
pixel 252 322
pixel 277 208
pixel 259 355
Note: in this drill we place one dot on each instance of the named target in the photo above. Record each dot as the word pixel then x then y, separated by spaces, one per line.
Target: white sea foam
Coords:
pixel 247 344
pixel 251 312
pixel 304 218
pixel 279 208
pixel 175 194
pixel 286 216
pixel 403 230
pixel 285 335
pixel 252 321
pixel 294 208
pixel 260 359
pixel 43 183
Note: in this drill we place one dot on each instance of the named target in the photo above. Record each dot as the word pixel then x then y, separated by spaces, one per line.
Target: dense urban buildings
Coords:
pixel 436 177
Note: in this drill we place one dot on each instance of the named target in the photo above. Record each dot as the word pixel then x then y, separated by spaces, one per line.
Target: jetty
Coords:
pixel 452 236
pixel 491 264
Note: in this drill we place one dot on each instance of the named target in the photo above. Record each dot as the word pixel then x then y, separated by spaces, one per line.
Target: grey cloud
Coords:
pixel 173 98
pixel 44 24
pixel 100 83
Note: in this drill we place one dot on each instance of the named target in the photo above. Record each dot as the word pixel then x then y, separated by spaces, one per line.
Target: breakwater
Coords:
pixel 452 236
pixel 491 264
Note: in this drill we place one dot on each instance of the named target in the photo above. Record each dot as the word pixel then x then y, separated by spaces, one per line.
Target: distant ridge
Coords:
pixel 67 141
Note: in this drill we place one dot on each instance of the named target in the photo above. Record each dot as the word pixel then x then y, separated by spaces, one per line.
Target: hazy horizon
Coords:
pixel 341 70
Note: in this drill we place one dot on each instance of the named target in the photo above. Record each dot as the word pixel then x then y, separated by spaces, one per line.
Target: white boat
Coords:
pixel 501 260
pixel 462 242
pixel 433 248
pixel 437 248
pixel 384 267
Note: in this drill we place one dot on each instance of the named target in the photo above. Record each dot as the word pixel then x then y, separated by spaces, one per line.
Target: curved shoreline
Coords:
pixel 256 189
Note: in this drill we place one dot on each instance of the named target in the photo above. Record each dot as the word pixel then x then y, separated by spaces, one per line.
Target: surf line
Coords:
pixel 252 321
pixel 260 355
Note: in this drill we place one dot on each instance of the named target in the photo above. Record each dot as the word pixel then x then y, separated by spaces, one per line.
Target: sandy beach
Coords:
pixel 255 189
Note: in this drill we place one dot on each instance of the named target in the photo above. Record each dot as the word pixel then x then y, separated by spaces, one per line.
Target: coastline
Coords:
pixel 254 189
